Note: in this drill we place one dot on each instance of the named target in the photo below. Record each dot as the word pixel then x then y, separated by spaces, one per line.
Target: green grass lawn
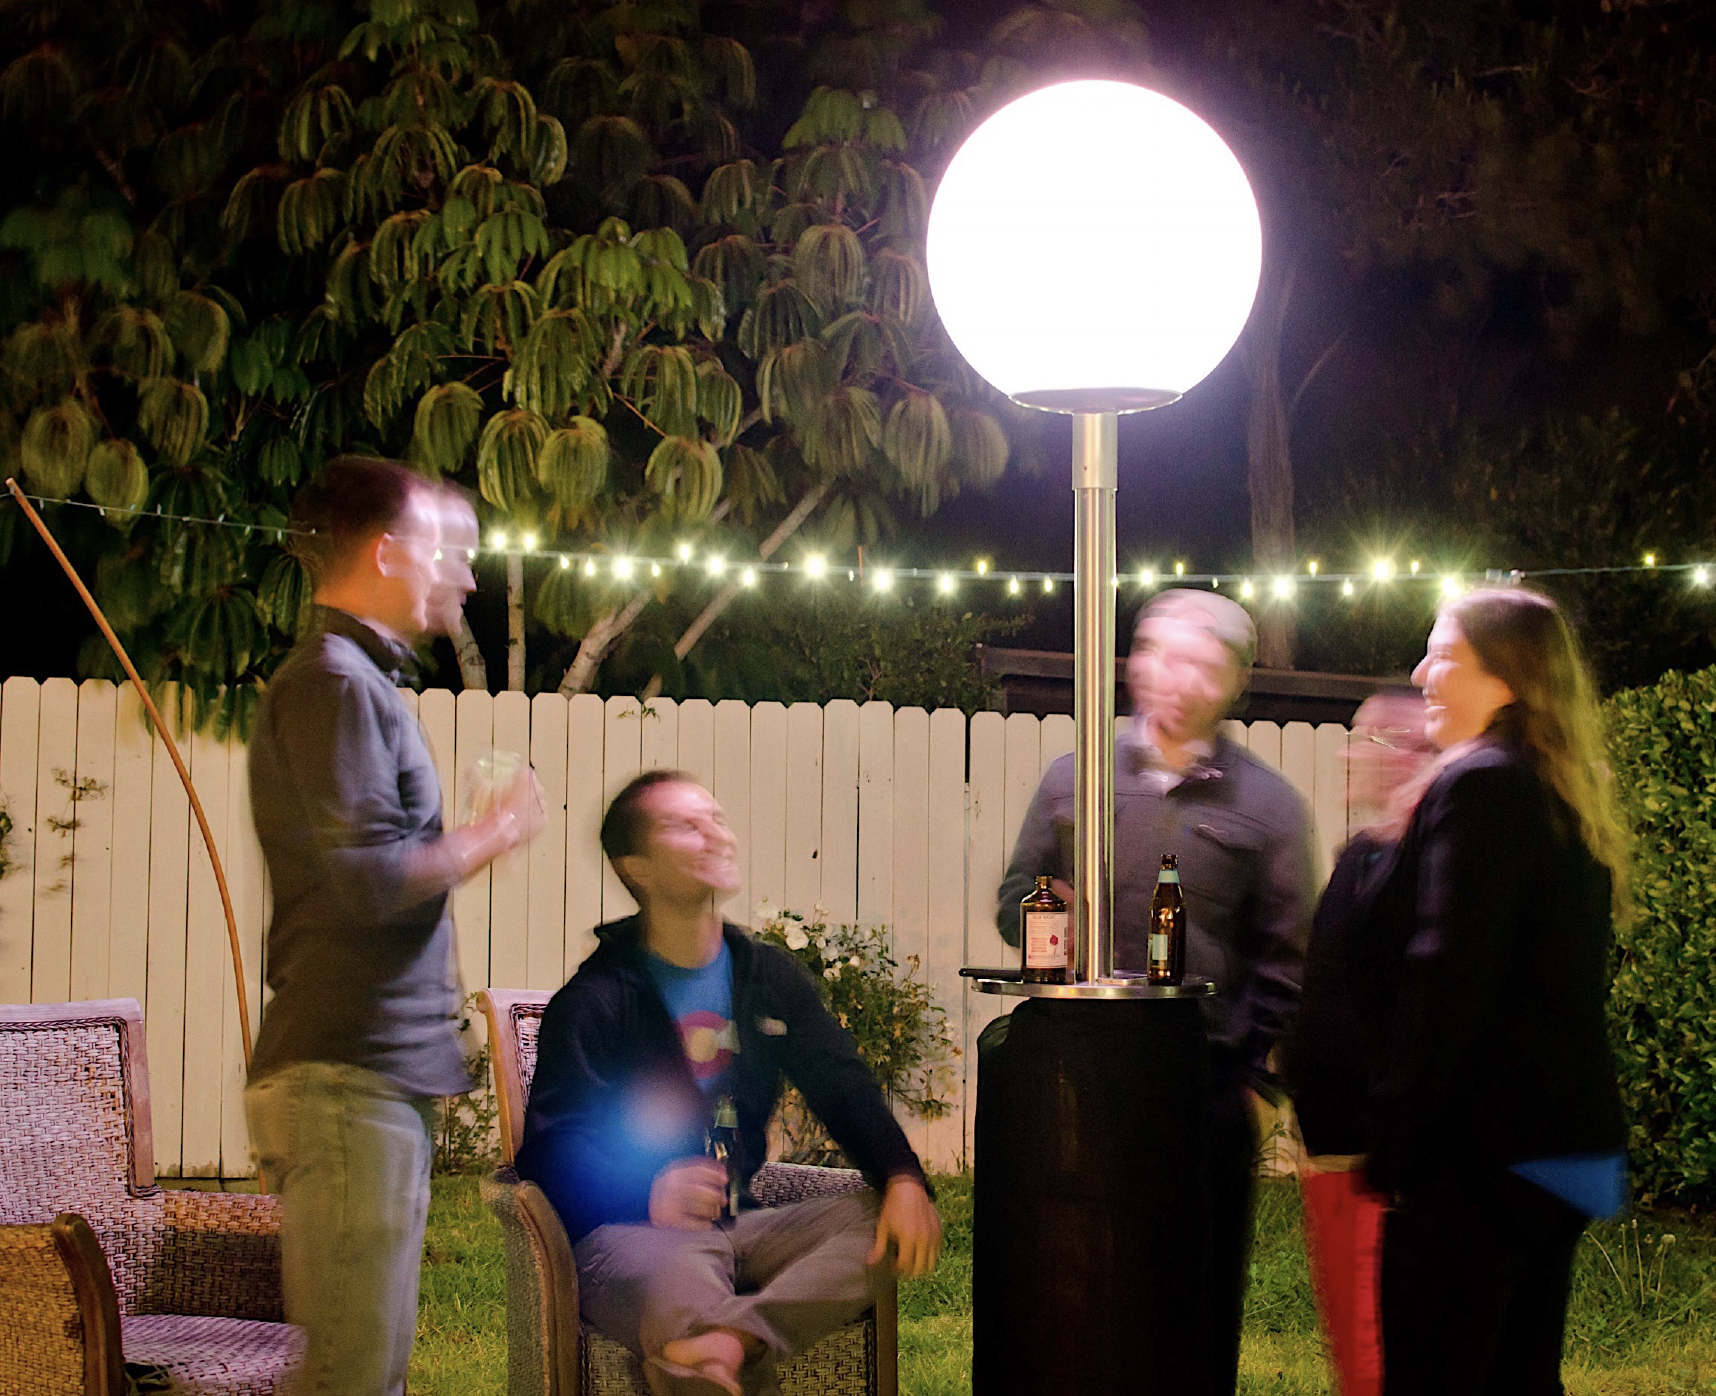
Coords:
pixel 1642 1321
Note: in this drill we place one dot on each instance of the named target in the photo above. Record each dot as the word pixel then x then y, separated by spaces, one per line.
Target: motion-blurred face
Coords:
pixel 1460 695
pixel 1182 677
pixel 690 854
pixel 405 567
pixel 454 579
pixel 1389 746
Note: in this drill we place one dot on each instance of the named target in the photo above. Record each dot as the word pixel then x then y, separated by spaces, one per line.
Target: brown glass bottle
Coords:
pixel 1167 950
pixel 1045 933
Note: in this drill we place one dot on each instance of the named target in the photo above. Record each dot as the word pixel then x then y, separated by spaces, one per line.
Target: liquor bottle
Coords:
pixel 1167 950
pixel 721 1143
pixel 1044 936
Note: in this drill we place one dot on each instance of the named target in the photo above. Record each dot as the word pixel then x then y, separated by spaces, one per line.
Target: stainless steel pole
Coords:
pixel 1095 475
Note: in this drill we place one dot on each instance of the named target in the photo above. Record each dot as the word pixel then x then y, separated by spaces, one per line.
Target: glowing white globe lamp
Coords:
pixel 1094 248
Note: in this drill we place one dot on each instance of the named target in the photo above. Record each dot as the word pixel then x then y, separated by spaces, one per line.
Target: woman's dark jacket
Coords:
pixel 1482 970
pixel 613 1100
pixel 1328 1056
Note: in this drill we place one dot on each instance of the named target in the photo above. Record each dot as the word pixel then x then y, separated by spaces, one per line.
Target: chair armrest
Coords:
pixel 777 1184
pixel 61 1331
pixel 219 1257
pixel 541 1289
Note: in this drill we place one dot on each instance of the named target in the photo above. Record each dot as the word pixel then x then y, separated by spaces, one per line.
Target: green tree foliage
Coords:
pixel 573 255
pixel 1663 1010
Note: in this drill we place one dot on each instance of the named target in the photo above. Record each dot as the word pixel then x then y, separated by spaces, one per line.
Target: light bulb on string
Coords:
pixel 1179 569
pixel 1650 560
pixel 529 541
pixel 883 579
pixel 1452 586
pixel 1283 587
pixel 816 567
pixel 1311 567
pixel 1246 590
pixel 1012 586
pixel 716 566
pixel 944 584
pixel 748 577
pixel 982 567
pixel 1347 588
pixel 589 567
pixel 1148 577
pixel 497 540
pixel 623 568
pixel 1414 567
pixel 1700 576
pixel 1048 584
pixel 685 552
pixel 565 562
pixel 1383 569
pixel 655 569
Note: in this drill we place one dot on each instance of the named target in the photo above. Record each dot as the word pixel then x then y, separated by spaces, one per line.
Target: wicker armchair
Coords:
pixel 100 1270
pixel 551 1350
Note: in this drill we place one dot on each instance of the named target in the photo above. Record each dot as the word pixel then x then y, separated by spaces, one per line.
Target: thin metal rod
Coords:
pixel 1095 472
pixel 172 751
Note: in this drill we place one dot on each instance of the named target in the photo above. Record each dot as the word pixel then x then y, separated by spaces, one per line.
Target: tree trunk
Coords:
pixel 1269 469
pixel 472 668
pixel 515 622
pixel 598 640
pixel 724 598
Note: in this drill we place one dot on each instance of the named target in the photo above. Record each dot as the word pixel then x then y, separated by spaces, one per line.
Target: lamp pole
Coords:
pixel 1095 475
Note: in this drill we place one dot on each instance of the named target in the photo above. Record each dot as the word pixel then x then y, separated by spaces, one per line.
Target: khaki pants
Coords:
pixel 787 1276
pixel 349 1154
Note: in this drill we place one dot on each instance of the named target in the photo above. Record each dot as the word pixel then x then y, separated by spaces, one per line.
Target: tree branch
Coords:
pixel 472 667
pixel 1315 369
pixel 597 641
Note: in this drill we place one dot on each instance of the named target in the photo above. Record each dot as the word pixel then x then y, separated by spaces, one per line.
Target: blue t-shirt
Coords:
pixel 700 1002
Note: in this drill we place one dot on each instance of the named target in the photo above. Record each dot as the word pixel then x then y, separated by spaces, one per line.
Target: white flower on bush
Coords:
pixel 832 972
pixel 856 962
pixel 796 936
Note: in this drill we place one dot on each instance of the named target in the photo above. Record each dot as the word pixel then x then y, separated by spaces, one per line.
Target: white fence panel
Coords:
pixel 904 818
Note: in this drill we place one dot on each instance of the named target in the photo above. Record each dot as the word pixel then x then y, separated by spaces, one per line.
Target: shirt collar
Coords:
pixel 393 657
pixel 1146 757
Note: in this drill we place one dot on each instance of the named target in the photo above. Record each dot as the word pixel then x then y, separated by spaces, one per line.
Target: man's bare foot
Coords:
pixel 716 1355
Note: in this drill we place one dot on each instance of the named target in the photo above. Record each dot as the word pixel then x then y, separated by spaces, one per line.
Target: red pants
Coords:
pixel 1343 1239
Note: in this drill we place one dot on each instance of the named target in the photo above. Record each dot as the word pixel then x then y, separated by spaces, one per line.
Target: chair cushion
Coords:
pixel 213 1356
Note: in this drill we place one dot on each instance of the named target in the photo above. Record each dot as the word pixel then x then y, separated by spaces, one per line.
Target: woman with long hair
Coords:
pixel 1327 1058
pixel 1495 1124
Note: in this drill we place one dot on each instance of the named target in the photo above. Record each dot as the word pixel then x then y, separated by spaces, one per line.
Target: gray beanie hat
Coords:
pixel 1227 620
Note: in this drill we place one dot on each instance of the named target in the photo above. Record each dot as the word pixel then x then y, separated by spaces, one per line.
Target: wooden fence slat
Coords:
pixel 545 957
pixel 437 719
pixel 658 735
pixel 1263 739
pixel 20 722
pixel 473 737
pixel 912 863
pixel 247 880
pixel 802 889
pixel 876 813
pixel 622 758
pixel 584 721
pixel 1056 739
pixel 1235 732
pixel 133 805
pixel 697 741
pixel 840 810
pixel 731 776
pixel 208 972
pixel 945 1138
pixel 1329 811
pixel 92 839
pixel 768 841
pixel 509 890
pixel 1024 767
pixel 56 811
pixel 987 850
pixel 1299 765
pixel 169 893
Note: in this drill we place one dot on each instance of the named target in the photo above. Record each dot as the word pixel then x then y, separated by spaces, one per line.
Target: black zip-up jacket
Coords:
pixel 613 1100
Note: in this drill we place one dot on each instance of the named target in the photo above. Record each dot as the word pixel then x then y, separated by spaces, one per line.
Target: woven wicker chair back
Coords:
pixel 74 1127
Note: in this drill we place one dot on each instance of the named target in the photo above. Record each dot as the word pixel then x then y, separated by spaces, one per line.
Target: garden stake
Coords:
pixel 172 750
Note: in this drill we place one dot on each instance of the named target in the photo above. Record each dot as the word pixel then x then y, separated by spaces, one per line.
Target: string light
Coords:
pixel 1148 577
pixel 1700 576
pixel 1346 588
pixel 529 541
pixel 944 584
pixel 685 552
pixel 1246 590
pixel 589 567
pixel 655 569
pixel 1311 567
pixel 1452 586
pixel 497 540
pixel 716 566
pixel 1414 567
pixel 623 568
pixel 1012 586
pixel 816 567
pixel 884 579
pixel 565 562
pixel 1048 584
pixel 982 567
pixel 1650 559
pixel 1284 587
pixel 1383 569
pixel 748 577
pixel 1179 569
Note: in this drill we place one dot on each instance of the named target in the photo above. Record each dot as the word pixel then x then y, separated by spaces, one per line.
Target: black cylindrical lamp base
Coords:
pixel 1091 1224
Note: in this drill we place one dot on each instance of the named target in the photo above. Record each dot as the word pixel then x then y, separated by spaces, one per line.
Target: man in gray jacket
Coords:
pixel 1243 838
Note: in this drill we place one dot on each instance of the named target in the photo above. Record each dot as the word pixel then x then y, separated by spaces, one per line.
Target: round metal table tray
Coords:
pixel 1194 987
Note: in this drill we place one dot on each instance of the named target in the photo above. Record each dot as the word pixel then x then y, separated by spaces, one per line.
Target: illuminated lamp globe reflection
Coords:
pixel 1094 247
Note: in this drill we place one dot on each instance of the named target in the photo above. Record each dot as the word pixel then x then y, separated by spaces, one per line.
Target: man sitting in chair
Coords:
pixel 673 1038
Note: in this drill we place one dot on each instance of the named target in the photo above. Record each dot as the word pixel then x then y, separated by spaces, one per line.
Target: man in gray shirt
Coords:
pixel 1243 838
pixel 360 1036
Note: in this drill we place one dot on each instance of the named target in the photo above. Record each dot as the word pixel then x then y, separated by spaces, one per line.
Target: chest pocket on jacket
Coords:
pixel 1225 853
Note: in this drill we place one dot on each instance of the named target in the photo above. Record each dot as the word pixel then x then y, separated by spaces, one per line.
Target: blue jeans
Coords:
pixel 348 1152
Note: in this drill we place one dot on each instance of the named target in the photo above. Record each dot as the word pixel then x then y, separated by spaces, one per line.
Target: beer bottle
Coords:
pixel 1167 951
pixel 721 1143
pixel 1044 933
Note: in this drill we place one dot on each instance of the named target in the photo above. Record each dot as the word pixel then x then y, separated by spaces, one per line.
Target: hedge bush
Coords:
pixel 1663 1003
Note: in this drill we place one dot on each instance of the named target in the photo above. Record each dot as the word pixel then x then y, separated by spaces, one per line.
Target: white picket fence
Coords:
pixel 904 817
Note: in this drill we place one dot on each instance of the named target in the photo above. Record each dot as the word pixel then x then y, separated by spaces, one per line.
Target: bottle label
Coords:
pixel 1169 875
pixel 1159 947
pixel 1045 939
